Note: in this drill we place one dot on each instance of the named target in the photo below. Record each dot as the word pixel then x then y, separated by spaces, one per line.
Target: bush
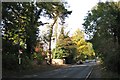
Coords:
pixel 112 61
pixel 10 62
pixel 38 57
pixel 58 53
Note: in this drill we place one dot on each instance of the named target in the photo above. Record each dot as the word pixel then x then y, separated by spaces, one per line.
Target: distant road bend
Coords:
pixel 73 71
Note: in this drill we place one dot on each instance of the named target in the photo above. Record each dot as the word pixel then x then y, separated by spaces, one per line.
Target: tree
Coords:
pixel 64 47
pixel 84 48
pixel 21 24
pixel 19 19
pixel 103 24
pixel 55 11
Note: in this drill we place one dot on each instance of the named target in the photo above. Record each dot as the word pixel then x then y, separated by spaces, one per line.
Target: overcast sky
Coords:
pixel 79 11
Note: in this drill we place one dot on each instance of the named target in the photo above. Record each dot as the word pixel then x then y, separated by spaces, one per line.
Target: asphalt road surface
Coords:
pixel 72 71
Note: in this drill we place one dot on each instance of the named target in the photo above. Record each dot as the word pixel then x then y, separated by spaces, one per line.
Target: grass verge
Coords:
pixel 100 71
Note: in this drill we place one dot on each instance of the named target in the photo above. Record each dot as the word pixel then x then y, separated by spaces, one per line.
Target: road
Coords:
pixel 72 71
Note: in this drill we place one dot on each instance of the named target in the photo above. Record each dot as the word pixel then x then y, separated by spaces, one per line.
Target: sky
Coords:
pixel 79 11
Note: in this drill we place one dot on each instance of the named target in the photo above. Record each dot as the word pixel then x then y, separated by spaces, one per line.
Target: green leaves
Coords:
pixel 74 48
pixel 102 22
pixel 21 20
pixel 64 46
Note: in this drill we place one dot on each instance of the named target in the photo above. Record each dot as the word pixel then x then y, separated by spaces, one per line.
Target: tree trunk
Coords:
pixel 28 48
pixel 50 36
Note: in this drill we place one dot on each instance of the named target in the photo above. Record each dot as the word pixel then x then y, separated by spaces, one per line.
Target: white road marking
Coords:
pixel 89 74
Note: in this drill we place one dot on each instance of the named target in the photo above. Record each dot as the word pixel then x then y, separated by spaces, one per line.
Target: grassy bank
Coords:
pixel 100 71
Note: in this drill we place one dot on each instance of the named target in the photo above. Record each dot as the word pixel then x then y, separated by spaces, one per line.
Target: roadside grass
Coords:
pixel 100 71
pixel 34 69
pixel 109 74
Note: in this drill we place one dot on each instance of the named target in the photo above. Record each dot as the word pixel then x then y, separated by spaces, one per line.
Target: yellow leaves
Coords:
pixel 81 42
pixel 89 49
pixel 55 0
pixel 23 17
pixel 79 33
pixel 82 46
pixel 93 53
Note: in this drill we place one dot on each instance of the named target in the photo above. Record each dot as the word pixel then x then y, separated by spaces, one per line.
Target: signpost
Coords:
pixel 19 56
